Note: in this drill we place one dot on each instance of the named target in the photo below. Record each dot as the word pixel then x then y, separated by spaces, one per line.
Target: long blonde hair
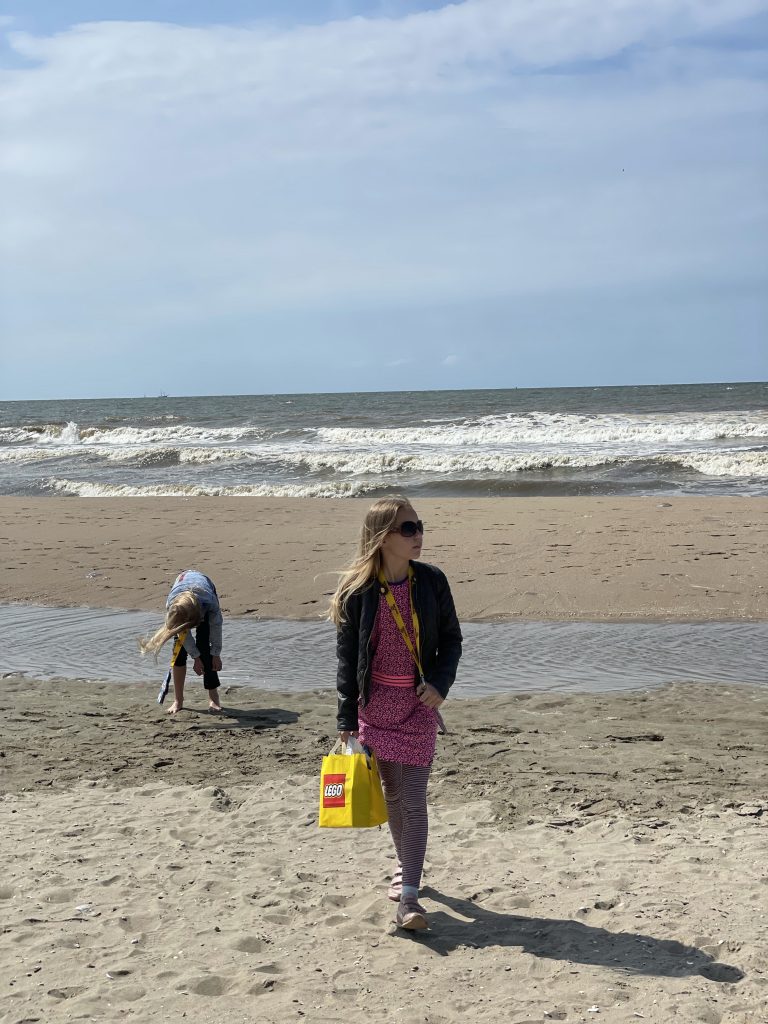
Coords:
pixel 183 612
pixel 378 522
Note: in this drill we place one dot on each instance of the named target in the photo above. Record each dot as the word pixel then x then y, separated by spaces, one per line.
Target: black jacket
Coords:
pixel 440 637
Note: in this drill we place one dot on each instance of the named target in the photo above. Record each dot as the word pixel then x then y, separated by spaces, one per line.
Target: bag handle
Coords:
pixel 338 748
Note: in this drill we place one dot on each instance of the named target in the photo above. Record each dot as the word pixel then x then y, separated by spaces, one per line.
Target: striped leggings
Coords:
pixel 405 791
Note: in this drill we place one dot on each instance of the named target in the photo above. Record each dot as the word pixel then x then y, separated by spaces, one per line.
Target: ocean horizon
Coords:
pixel 644 440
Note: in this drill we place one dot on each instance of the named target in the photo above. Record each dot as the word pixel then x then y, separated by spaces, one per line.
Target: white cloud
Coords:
pixel 156 176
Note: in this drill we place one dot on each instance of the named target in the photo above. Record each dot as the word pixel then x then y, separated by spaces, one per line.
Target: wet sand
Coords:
pixel 586 852
pixel 530 558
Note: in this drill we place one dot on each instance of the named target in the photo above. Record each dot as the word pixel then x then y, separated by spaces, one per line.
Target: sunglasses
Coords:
pixel 409 528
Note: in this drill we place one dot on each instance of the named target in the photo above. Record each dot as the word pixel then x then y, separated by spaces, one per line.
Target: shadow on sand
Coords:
pixel 570 941
pixel 231 718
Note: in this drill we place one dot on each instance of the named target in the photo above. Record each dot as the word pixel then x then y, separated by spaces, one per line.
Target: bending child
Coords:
pixel 192 604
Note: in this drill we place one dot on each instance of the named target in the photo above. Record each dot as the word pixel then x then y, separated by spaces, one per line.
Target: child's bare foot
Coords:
pixel 175 707
pixel 215 707
pixel 214 704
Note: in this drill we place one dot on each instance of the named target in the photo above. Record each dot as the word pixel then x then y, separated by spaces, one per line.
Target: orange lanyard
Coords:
pixel 390 598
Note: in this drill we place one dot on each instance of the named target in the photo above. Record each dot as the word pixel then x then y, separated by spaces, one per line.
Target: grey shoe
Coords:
pixel 411 915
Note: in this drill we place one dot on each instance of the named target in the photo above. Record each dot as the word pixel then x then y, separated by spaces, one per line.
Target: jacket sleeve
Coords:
pixel 190 646
pixel 347 647
pixel 449 639
pixel 215 625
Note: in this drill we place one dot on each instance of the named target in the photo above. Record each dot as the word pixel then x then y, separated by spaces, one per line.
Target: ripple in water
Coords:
pixel 90 643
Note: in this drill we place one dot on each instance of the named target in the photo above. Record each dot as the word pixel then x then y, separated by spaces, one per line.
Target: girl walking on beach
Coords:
pixel 192 604
pixel 398 646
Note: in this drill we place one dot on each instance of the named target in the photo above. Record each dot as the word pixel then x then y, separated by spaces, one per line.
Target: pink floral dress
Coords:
pixel 394 723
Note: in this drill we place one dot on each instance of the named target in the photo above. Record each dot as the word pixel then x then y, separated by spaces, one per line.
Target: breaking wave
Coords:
pixel 71 433
pixel 555 428
pixel 90 489
pixel 529 428
pixel 732 462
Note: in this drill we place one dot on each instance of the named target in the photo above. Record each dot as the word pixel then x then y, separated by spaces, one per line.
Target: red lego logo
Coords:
pixel 333 790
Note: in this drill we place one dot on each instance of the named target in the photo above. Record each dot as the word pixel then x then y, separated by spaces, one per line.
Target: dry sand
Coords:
pixel 560 558
pixel 592 857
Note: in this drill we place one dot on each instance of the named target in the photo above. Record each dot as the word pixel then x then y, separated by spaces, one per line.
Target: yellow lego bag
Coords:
pixel 350 791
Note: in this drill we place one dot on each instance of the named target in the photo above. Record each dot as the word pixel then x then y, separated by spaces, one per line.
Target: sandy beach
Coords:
pixel 592 857
pixel 531 558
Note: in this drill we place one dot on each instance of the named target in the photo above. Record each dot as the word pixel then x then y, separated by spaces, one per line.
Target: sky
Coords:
pixel 259 197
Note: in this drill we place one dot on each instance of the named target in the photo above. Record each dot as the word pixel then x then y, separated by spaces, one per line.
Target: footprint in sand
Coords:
pixel 136 923
pixel 268 969
pixel 66 993
pixel 249 944
pixel 58 896
pixel 210 986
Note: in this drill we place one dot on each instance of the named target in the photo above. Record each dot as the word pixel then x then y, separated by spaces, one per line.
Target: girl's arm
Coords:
pixel 346 674
pixel 190 646
pixel 215 625
pixel 449 639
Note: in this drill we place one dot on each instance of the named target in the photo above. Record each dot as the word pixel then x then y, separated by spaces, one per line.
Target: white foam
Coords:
pixel 25 454
pixel 87 489
pixel 500 462
pixel 729 463
pixel 138 455
pixel 554 428
pixel 33 435
pixel 535 428
pixel 180 434
pixel 467 462
pixel 70 434
pixel 145 455
pixel 207 455
pixel 183 434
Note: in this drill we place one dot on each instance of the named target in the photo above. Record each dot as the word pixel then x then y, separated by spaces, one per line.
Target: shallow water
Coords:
pixel 92 643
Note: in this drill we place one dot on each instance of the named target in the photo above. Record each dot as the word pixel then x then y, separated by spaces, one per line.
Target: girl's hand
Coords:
pixel 216 663
pixel 198 666
pixel 344 736
pixel 429 696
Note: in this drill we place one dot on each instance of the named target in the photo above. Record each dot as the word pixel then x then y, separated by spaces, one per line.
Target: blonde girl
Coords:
pixel 398 646
pixel 192 604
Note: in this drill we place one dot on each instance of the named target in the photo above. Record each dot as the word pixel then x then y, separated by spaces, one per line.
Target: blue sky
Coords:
pixel 360 196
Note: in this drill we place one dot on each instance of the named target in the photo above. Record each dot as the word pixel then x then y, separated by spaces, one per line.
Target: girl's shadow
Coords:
pixel 571 941
pixel 233 718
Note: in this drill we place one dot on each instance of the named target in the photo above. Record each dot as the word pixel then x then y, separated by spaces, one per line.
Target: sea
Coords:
pixel 696 439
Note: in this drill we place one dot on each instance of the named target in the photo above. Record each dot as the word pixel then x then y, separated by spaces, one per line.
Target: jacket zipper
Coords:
pixel 364 695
